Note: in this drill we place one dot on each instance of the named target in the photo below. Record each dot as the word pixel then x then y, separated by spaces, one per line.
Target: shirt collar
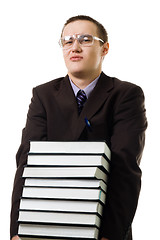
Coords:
pixel 87 89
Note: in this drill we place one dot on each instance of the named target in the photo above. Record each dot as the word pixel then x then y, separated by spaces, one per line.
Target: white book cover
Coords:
pixel 68 160
pixel 44 238
pixel 59 218
pixel 64 193
pixel 75 183
pixel 58 231
pixel 70 147
pixel 34 238
pixel 64 172
pixel 61 205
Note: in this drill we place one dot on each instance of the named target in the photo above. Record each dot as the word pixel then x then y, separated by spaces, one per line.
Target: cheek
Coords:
pixel 94 58
pixel 66 58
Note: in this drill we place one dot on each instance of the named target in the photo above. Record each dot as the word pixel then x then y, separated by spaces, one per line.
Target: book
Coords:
pixel 62 205
pixel 70 147
pixel 64 172
pixel 68 160
pixel 64 190
pixel 60 231
pixel 59 218
pixel 68 183
pixel 64 193
pixel 49 238
pixel 44 238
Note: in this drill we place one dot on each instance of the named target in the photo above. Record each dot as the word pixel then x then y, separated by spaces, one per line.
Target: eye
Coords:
pixel 85 39
pixel 68 40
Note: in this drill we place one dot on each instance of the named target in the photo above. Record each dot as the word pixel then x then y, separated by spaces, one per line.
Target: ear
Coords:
pixel 105 49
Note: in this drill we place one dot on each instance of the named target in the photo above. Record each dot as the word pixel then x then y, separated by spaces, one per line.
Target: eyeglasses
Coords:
pixel 85 40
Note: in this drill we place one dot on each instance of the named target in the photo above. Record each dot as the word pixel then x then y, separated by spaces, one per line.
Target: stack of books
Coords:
pixel 64 191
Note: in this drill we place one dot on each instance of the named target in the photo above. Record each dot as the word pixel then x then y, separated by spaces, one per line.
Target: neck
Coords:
pixel 82 80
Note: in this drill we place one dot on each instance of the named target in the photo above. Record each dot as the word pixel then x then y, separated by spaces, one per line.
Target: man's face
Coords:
pixel 83 61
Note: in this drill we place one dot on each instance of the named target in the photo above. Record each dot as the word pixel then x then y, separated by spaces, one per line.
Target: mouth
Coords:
pixel 76 58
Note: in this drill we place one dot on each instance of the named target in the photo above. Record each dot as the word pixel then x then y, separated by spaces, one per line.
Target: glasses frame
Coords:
pixel 77 37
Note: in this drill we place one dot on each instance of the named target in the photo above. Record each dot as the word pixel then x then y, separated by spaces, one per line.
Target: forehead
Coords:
pixel 80 27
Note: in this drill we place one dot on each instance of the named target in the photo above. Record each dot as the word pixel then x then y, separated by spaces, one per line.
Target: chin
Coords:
pixel 77 71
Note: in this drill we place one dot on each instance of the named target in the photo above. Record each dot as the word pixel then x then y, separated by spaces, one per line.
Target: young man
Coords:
pixel 115 110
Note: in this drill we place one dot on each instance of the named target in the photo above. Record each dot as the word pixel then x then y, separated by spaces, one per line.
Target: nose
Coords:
pixel 76 47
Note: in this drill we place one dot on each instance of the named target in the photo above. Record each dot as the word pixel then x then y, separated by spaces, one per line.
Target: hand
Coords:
pixel 15 238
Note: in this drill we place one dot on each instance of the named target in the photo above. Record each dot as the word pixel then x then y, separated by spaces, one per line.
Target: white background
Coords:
pixel 30 55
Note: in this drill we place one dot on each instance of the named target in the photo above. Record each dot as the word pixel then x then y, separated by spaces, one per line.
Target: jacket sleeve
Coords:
pixel 127 143
pixel 35 129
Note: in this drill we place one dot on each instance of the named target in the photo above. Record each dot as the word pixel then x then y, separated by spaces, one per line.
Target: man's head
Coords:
pixel 101 31
pixel 85 43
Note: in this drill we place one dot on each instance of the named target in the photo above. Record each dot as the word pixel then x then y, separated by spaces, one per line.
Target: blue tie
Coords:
pixel 81 99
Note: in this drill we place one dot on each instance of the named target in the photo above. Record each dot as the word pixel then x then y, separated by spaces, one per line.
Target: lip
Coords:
pixel 76 58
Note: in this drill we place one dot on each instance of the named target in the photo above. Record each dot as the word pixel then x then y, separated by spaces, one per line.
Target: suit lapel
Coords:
pixel 94 103
pixel 66 101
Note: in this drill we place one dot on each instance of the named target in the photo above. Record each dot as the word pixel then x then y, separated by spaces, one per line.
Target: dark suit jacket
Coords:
pixel 116 112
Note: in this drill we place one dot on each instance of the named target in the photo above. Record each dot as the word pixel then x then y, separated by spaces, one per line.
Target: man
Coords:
pixel 115 111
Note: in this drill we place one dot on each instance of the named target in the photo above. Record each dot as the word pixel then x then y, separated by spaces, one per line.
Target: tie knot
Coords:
pixel 81 99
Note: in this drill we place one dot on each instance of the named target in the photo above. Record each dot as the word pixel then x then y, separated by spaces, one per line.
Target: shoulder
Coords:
pixel 122 92
pixel 122 87
pixel 50 86
pixel 127 90
pixel 119 84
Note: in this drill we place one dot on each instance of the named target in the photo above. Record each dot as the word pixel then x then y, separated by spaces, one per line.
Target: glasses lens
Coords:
pixel 67 41
pixel 85 40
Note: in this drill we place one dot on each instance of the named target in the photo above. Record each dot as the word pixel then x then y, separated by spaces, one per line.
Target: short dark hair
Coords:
pixel 102 33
